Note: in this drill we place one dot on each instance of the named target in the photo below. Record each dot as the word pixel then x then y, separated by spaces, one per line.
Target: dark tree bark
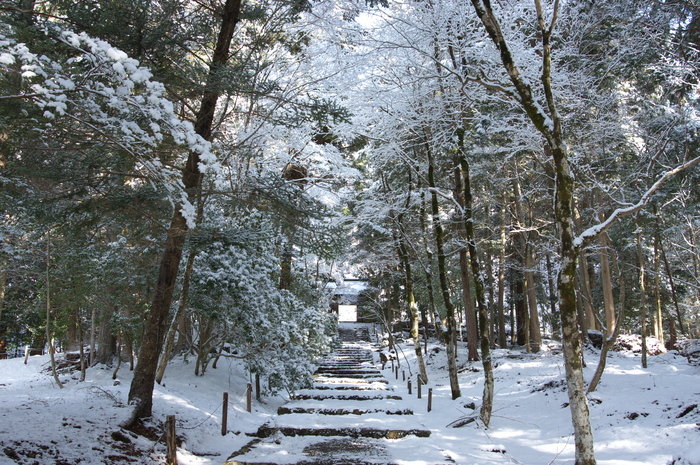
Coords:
pixel 451 335
pixel 413 313
pixel 141 391
pixel 642 294
pixel 502 282
pixel 484 324
pixel 470 314
pixel 177 318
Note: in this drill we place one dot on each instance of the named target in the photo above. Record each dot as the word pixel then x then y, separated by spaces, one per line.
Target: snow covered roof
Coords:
pixel 349 287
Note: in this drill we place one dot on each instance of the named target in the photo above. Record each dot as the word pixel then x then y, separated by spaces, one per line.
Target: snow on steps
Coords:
pixel 348 420
pixel 343 407
pixel 339 450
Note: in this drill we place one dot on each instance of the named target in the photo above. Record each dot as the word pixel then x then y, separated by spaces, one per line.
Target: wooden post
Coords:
pixel 409 386
pixel 224 415
pixel 257 386
pixel 404 374
pixel 170 440
pixel 430 399
pixel 397 372
pixel 26 354
pixel 249 398
pixel 420 384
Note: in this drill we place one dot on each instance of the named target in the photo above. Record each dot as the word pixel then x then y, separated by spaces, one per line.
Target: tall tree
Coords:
pixel 141 390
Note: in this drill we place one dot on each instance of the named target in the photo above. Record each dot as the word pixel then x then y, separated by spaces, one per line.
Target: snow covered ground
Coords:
pixel 640 416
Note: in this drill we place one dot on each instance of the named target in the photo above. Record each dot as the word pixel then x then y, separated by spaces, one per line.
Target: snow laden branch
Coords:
pixel 591 233
pixel 111 97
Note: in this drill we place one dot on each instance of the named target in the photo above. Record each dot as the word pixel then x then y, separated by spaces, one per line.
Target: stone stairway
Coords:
pixel 350 417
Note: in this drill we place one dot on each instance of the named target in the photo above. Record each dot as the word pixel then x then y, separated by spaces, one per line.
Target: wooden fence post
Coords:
pixel 420 384
pixel 170 440
pixel 404 374
pixel 249 398
pixel 26 354
pixel 409 386
pixel 430 399
pixel 224 415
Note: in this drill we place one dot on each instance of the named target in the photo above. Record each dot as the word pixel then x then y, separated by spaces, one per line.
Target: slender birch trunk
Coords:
pixel 550 126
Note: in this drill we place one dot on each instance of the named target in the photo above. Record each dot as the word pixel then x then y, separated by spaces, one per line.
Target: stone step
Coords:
pixel 333 406
pixel 350 359
pixel 346 363
pixel 334 380
pixel 348 372
pixel 345 431
pixel 335 451
pixel 353 387
pixel 286 410
pixel 357 375
pixel 357 395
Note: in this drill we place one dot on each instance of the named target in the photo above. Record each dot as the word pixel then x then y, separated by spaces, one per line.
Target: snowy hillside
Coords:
pixel 639 416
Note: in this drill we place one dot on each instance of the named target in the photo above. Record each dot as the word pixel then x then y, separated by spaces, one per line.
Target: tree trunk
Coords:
pixel 606 283
pixel 490 285
pixel 3 328
pixel 170 338
pixel 286 265
pixel 520 297
pixel 106 342
pixel 487 398
pixel 469 312
pixel 141 391
pixel 522 324
pixel 534 314
pixel 502 281
pixel 531 320
pixel 461 194
pixel 437 321
pixel 551 129
pixel 49 336
pixel 81 336
pixel 408 284
pixel 609 338
pixel 552 299
pixel 93 316
pixel 642 296
pixel 671 282
pixel 658 309
pixel 444 285
pixel 412 309
pixel 589 320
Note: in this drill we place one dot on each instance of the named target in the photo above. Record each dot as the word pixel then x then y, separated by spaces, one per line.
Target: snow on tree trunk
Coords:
pixel 551 130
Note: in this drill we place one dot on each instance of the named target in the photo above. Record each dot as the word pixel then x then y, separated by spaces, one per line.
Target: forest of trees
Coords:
pixel 186 176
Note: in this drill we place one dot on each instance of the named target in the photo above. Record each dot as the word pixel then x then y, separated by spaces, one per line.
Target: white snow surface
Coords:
pixel 635 412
